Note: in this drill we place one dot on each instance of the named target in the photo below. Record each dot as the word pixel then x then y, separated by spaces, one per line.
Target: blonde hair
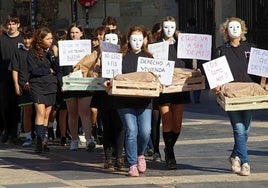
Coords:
pixel 224 28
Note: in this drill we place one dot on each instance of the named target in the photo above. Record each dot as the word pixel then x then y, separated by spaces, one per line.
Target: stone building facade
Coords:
pixel 60 13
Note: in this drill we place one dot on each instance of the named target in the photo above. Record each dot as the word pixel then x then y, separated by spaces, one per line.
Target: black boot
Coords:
pixel 40 144
pixel 169 150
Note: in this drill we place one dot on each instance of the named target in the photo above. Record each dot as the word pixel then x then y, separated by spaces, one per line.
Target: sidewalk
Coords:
pixel 201 152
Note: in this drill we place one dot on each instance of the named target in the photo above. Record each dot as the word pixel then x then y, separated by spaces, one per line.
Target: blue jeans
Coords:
pixel 241 123
pixel 137 123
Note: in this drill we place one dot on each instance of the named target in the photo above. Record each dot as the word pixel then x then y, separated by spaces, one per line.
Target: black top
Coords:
pixel 178 97
pixel 41 80
pixel 19 64
pixel 172 55
pixel 129 64
pixel 237 58
pixel 7 47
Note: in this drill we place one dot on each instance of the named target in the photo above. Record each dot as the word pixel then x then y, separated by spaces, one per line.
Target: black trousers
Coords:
pixel 9 111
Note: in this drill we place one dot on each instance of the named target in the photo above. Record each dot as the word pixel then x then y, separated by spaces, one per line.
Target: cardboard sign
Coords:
pixel 258 62
pixel 159 50
pixel 218 72
pixel 163 69
pixel 72 51
pixel 194 46
pixel 111 64
pixel 109 47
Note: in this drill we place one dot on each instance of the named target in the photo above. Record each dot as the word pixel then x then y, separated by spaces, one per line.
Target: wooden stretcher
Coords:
pixel 186 84
pixel 132 88
pixel 82 84
pixel 244 103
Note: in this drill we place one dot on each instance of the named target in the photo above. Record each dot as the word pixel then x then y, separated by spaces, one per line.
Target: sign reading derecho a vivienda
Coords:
pixel 163 69
pixel 111 64
pixel 72 51
pixel 159 50
pixel 218 72
pixel 194 46
pixel 258 62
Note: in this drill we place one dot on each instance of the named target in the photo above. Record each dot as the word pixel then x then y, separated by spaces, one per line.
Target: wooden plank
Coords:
pixel 185 84
pixel 243 103
pixel 134 89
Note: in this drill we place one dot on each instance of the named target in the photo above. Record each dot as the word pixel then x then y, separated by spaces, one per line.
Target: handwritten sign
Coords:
pixel 72 51
pixel 163 69
pixel 218 72
pixel 258 62
pixel 194 46
pixel 109 47
pixel 159 50
pixel 111 64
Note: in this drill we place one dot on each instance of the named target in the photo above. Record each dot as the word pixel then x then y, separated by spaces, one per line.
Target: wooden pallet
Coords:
pixel 134 89
pixel 82 84
pixel 185 84
pixel 243 103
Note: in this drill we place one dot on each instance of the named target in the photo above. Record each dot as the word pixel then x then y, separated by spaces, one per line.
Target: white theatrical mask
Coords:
pixel 136 41
pixel 111 38
pixel 234 29
pixel 169 28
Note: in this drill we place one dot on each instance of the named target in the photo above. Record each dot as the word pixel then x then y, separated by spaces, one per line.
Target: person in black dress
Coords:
pixel 44 72
pixel 171 104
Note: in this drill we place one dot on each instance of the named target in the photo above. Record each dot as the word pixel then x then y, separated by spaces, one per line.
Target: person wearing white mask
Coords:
pixel 135 113
pixel 111 38
pixel 113 131
pixel 236 50
pixel 171 104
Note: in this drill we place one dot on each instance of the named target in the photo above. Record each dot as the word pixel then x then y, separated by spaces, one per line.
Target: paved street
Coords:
pixel 202 153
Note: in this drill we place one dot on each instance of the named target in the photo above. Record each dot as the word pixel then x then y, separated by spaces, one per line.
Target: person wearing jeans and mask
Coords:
pixel 236 50
pixel 134 112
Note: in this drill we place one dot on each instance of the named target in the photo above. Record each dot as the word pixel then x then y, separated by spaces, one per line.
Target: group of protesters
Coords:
pixel 31 92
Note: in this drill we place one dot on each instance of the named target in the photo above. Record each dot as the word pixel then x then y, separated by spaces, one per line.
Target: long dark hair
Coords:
pixel 80 27
pixel 38 45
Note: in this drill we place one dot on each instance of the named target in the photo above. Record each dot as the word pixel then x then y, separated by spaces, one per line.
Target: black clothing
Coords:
pixel 7 47
pixel 129 64
pixel 179 97
pixel 8 100
pixel 19 64
pixel 42 81
pixel 237 58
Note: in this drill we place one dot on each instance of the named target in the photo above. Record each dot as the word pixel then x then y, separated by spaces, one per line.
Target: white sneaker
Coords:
pixel 245 170
pixel 82 139
pixel 235 164
pixel 74 145
pixel 90 144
